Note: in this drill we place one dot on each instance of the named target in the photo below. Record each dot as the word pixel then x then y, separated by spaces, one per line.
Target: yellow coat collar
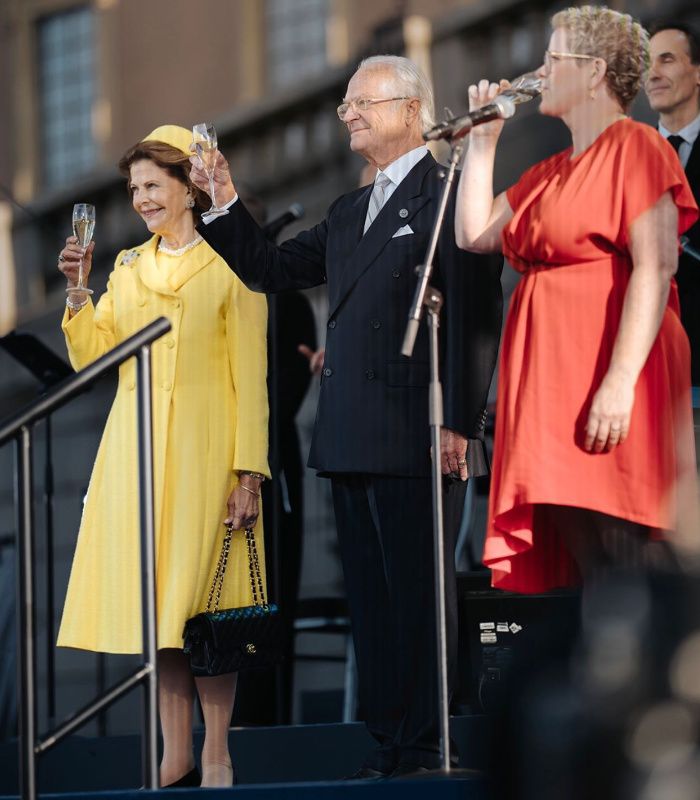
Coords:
pixel 189 265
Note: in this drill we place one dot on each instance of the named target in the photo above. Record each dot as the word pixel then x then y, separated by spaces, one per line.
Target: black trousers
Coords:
pixel 385 534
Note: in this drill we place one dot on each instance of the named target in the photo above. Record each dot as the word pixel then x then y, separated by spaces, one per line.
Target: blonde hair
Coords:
pixel 616 38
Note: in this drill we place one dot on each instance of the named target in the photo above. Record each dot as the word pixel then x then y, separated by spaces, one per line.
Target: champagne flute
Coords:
pixel 205 143
pixel 83 228
pixel 525 87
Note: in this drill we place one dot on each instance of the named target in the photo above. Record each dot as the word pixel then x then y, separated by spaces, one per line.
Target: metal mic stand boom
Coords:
pixel 432 299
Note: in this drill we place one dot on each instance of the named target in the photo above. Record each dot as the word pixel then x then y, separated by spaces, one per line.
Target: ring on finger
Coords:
pixel 462 462
pixel 61 258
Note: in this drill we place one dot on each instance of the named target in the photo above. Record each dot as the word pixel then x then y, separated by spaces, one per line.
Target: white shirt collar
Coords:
pixel 689 133
pixel 397 170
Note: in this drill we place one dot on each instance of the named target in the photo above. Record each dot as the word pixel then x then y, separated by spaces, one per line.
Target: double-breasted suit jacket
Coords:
pixel 372 414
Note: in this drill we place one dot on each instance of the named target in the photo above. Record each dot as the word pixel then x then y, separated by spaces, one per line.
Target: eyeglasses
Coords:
pixel 551 56
pixel 363 103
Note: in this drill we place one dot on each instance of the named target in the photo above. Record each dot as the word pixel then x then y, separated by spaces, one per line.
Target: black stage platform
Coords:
pixel 287 762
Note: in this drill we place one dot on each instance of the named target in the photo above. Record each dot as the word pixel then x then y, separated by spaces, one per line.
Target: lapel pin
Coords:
pixel 403 213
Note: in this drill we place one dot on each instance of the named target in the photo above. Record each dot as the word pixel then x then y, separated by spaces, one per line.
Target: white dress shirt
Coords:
pixel 689 134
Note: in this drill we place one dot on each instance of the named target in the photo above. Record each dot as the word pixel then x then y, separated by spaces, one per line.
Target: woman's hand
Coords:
pixel 244 503
pixel 69 261
pixel 482 94
pixel 223 185
pixel 609 418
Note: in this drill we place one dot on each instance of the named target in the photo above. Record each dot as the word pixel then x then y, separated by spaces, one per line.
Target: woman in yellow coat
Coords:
pixel 210 419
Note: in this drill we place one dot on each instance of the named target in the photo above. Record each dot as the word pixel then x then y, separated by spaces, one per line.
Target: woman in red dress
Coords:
pixel 593 456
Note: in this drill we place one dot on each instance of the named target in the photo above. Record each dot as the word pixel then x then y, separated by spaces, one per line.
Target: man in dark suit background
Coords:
pixel 371 435
pixel 673 89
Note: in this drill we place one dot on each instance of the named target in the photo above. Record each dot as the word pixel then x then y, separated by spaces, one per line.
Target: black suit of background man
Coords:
pixel 673 90
pixel 688 275
pixel 371 435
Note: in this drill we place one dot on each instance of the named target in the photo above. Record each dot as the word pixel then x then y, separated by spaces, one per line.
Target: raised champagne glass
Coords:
pixel 83 228
pixel 525 87
pixel 205 144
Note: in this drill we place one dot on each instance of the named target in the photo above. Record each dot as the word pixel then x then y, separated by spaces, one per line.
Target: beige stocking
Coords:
pixel 175 704
pixel 216 696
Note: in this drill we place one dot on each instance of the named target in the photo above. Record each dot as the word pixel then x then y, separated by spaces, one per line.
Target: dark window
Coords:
pixel 66 59
pixel 296 39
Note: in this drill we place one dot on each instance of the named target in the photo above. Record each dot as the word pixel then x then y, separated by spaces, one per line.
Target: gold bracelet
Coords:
pixel 257 494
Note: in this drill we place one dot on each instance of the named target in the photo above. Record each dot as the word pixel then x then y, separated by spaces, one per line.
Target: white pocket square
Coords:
pixel 403 231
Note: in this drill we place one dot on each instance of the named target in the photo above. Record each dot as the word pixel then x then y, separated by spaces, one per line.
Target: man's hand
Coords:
pixel 453 453
pixel 223 185
pixel 316 358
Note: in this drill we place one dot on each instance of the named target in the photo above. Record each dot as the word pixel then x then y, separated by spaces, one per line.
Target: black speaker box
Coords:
pixel 505 636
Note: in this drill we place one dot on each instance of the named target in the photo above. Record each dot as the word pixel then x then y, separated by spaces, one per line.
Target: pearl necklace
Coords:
pixel 180 250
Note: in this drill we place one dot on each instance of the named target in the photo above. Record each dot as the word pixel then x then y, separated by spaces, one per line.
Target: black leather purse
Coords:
pixel 235 639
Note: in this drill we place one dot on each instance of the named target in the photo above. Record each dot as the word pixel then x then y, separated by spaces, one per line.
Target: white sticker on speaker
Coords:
pixel 487 626
pixel 515 628
pixel 502 627
pixel 488 637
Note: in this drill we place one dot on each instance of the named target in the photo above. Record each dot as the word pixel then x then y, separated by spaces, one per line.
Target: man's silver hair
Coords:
pixel 408 80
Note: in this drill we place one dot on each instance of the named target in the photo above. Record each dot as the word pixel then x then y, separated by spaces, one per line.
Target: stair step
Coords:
pixel 293 755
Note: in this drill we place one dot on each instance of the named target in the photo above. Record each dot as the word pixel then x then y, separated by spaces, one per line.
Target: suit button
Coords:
pixel 142 302
pixel 327 372
pixel 332 323
pixel 177 304
pixel 131 386
pixel 395 274
pixel 376 324
pixel 170 343
pixel 370 375
pixel 167 386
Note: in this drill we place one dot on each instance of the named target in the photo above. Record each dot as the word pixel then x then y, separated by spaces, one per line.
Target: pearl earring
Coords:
pixel 189 203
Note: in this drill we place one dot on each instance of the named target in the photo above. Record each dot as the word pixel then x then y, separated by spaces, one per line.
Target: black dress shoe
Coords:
pixel 409 771
pixel 192 778
pixel 366 774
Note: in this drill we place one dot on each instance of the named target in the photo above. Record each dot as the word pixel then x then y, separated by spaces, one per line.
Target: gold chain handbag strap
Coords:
pixel 254 566
pixel 256 581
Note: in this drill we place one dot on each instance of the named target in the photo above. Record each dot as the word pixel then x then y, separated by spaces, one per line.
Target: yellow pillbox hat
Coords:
pixel 174 135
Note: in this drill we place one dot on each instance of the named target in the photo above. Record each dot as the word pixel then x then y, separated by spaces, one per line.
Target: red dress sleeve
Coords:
pixel 650 167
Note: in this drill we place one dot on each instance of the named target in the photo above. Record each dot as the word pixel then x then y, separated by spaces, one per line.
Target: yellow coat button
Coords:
pixel 167 386
pixel 170 343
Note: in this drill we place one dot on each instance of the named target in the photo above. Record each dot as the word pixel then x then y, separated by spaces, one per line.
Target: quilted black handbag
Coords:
pixel 235 639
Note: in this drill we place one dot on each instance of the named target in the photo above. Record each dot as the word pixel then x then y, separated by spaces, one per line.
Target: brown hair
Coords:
pixel 168 158
pixel 616 38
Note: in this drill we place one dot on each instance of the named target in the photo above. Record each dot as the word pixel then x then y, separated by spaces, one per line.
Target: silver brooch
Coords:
pixel 403 213
pixel 130 257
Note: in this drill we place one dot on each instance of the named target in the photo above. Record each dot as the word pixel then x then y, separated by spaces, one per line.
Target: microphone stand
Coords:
pixel 430 298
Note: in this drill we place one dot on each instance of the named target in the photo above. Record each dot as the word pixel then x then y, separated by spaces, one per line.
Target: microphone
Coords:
pixel 523 88
pixel 273 228
pixel 503 107
pixel 688 248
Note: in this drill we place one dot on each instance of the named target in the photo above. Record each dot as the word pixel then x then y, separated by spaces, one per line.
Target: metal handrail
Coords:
pixel 20 427
pixel 64 391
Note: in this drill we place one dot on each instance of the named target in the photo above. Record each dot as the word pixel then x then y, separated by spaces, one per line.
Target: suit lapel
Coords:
pixel 399 209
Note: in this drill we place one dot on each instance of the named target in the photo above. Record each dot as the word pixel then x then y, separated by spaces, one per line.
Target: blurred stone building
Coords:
pixel 86 79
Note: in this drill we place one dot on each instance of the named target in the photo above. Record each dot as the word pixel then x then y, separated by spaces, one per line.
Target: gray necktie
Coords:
pixel 376 201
